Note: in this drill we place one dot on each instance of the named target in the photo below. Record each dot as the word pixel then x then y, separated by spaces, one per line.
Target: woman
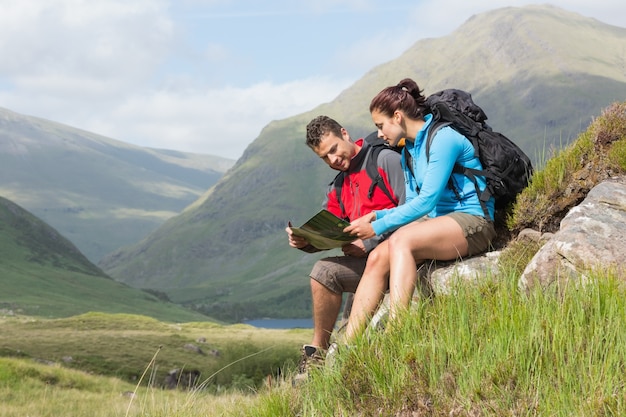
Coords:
pixel 438 221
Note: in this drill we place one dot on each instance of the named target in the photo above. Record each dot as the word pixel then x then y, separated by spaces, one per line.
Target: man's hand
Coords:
pixel 297 242
pixel 362 227
pixel 356 249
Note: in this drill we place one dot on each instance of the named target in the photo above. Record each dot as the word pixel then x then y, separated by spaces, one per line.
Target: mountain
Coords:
pixel 44 274
pixel 100 193
pixel 541 74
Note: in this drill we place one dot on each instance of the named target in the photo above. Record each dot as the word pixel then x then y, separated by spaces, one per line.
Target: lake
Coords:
pixel 281 323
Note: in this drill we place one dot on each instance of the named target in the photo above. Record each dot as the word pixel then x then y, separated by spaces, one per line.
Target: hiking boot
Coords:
pixel 311 356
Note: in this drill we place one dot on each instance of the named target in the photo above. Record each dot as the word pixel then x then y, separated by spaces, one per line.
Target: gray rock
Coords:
pixel 591 235
pixel 181 378
pixel 440 278
pixel 193 348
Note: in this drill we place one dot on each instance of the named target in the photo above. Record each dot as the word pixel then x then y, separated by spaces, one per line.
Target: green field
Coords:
pixel 87 365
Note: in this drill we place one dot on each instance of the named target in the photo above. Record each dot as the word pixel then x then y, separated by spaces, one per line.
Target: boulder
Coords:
pixel 591 235
pixel 181 378
pixel 438 278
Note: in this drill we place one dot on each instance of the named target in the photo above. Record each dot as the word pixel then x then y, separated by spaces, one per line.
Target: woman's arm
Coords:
pixel 445 148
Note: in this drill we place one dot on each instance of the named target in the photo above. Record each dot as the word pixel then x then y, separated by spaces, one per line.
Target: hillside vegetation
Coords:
pixel 124 345
pixel 44 274
pixel 538 73
pixel 599 153
pixel 107 365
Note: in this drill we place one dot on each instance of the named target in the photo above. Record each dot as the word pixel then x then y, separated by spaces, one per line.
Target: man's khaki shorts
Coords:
pixel 339 273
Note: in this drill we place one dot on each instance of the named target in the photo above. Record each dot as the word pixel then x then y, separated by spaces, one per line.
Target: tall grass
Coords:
pixel 482 350
pixel 30 389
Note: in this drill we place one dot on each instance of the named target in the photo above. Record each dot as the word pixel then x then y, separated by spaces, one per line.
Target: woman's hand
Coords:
pixel 362 227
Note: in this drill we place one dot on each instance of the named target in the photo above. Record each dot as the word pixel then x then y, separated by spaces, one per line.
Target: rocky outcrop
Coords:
pixel 438 277
pixel 592 235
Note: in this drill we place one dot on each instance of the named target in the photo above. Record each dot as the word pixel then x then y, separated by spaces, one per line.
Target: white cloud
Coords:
pixel 220 122
pixel 81 40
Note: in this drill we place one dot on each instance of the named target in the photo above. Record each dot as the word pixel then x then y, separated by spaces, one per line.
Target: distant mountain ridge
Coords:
pixel 100 193
pixel 541 73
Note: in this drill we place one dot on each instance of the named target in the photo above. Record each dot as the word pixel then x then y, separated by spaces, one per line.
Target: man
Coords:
pixel 350 196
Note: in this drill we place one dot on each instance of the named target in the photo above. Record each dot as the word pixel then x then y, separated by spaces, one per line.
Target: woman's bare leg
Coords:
pixel 440 238
pixel 370 291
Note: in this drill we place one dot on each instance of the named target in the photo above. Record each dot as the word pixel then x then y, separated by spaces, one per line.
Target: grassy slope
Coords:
pixel 46 275
pixel 123 346
pixel 487 351
pixel 31 389
pixel 542 89
pixel 110 353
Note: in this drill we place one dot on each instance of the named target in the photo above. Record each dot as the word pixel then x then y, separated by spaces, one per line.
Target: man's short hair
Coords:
pixel 320 127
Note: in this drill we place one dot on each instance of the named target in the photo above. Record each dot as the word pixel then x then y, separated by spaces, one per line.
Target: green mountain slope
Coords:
pixel 540 73
pixel 100 193
pixel 44 274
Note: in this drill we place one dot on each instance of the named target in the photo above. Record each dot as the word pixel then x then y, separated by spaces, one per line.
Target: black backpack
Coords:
pixel 506 168
pixel 371 167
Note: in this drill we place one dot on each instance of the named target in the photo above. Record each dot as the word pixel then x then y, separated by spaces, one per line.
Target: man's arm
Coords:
pixel 299 242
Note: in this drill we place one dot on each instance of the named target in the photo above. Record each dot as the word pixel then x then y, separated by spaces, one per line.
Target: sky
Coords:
pixel 205 76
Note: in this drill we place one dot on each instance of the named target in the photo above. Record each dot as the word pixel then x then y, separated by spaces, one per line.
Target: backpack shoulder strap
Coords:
pixel 371 167
pixel 408 161
pixel 431 134
pixel 338 183
pixel 458 168
pixel 408 158
pixel 470 173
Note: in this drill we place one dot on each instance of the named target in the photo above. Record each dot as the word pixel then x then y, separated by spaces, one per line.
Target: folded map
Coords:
pixel 324 231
